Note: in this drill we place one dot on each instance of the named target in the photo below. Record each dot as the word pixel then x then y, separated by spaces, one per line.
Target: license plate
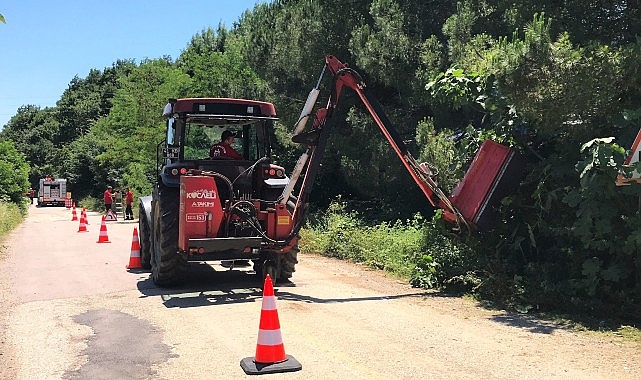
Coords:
pixel 170 152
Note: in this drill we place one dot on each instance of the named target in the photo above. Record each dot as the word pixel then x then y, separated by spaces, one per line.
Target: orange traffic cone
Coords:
pixel 134 258
pixel 103 238
pixel 83 223
pixel 84 215
pixel 74 216
pixel 270 352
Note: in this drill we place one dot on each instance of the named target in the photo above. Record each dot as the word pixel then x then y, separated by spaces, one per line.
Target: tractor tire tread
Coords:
pixel 144 239
pixel 170 265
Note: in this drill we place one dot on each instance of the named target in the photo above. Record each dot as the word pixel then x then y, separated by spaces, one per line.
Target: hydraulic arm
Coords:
pixel 316 141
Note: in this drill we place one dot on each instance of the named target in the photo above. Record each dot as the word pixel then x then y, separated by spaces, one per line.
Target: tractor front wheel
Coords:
pixel 269 268
pixel 287 263
pixel 280 267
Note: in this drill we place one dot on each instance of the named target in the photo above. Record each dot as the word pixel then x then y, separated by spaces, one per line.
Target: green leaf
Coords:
pixel 591 267
pixel 614 273
pixel 606 140
pixel 531 234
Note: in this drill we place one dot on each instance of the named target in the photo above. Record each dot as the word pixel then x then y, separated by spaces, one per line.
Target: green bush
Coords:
pixel 446 262
pixel 91 203
pixel 11 215
pixel 416 249
pixel 572 247
pixel 14 174
pixel 598 267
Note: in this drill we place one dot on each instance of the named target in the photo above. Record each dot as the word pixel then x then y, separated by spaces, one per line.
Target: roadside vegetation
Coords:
pixel 11 215
pixel 557 81
pixel 14 183
pixel 425 254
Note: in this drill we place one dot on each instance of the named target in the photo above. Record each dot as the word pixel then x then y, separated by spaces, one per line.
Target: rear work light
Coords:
pixel 175 171
pixel 199 250
pixel 273 172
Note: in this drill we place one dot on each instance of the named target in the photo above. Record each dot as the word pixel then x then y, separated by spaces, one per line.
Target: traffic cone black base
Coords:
pixel 252 368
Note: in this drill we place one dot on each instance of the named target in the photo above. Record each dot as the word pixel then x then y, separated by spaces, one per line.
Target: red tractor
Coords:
pixel 207 206
pixel 217 208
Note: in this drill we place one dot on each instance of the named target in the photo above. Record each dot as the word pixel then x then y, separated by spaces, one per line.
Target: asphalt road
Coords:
pixel 70 310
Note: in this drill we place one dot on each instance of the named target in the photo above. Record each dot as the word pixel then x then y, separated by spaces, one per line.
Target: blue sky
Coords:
pixel 44 44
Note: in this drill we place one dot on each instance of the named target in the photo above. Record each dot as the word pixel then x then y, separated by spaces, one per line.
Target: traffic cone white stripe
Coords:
pixel 74 215
pixel 135 246
pixel 269 337
pixel 269 303
pixel 83 223
pixel 134 257
pixel 103 237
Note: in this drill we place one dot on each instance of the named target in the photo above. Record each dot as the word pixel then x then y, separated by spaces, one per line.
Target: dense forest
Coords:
pixel 558 81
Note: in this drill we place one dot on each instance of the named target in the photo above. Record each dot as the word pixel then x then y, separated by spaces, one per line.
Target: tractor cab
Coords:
pixel 195 126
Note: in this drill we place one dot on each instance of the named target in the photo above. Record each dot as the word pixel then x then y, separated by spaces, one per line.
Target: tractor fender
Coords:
pixel 145 206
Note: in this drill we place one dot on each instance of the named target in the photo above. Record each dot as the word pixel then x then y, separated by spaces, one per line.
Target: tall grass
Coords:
pixel 11 215
pixel 415 249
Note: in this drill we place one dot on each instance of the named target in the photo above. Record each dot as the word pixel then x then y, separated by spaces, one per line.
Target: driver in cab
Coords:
pixel 224 148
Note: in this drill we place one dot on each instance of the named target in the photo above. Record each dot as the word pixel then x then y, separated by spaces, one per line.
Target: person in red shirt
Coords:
pixel 108 198
pixel 129 199
pixel 224 148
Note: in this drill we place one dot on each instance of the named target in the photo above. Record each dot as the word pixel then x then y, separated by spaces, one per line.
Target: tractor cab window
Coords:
pixel 171 131
pixel 199 139
pixel 251 144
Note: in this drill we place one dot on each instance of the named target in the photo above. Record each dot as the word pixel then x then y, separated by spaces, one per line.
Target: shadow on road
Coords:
pixel 529 323
pixel 308 299
pixel 207 286
pixel 525 322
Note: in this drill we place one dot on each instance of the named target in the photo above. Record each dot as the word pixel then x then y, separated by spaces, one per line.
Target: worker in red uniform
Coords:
pixel 224 148
pixel 108 198
pixel 129 199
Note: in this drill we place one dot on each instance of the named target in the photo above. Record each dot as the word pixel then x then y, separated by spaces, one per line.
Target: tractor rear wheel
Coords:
pixel 168 266
pixel 144 238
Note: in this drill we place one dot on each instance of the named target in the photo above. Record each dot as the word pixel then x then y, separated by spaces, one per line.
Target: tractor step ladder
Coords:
pixel 118 209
